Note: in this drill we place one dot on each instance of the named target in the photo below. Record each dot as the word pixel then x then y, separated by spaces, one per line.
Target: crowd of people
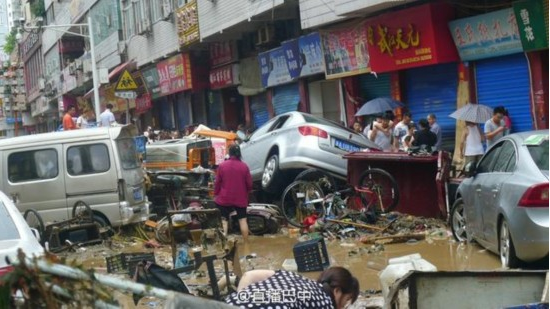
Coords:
pixel 427 134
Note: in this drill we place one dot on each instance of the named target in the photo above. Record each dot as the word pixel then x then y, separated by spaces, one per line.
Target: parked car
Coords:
pixel 298 141
pixel 15 234
pixel 503 204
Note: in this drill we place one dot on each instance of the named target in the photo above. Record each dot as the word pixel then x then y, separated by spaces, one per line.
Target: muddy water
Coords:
pixel 445 254
pixel 271 251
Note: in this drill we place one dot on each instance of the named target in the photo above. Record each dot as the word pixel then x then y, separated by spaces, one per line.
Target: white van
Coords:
pixel 50 172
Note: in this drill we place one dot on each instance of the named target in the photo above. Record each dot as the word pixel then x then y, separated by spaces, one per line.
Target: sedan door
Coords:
pixel 502 169
pixel 475 202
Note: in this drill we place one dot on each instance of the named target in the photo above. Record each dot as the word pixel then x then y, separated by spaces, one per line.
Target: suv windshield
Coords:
pixel 128 153
pixel 8 230
pixel 539 153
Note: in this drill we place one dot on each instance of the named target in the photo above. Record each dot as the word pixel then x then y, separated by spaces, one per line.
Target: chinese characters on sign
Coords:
pixel 187 23
pixel 222 53
pixel 273 67
pixel 410 38
pixel 345 51
pixel 488 35
pixel 174 74
pixel 532 27
pixel 224 76
pixel 274 296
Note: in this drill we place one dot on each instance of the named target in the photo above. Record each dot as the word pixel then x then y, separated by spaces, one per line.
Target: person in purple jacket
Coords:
pixel 231 189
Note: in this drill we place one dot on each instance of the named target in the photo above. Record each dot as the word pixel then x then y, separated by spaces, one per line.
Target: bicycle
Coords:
pixel 302 201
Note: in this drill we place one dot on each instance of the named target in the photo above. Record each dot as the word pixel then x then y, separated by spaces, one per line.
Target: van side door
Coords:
pixel 35 180
pixel 91 176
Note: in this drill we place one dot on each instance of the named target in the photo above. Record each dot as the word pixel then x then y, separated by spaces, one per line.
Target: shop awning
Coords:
pixel 119 69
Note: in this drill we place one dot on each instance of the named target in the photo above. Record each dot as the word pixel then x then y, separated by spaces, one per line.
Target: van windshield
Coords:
pixel 128 153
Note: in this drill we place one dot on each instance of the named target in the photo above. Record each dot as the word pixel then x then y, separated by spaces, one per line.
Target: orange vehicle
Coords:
pixel 221 140
pixel 180 154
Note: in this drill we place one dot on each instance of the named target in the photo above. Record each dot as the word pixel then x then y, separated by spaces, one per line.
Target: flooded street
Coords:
pixel 270 251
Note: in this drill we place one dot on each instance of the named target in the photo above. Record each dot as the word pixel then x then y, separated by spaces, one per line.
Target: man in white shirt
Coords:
pixel 107 118
pixel 382 135
pixel 400 130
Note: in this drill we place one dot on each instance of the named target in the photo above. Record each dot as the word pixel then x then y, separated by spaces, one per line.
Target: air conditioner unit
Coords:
pixel 265 35
pixel 41 84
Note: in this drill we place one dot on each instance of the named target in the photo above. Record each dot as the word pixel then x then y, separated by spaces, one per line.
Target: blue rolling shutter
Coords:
pixel 433 90
pixel 286 98
pixel 373 87
pixel 258 109
pixel 505 81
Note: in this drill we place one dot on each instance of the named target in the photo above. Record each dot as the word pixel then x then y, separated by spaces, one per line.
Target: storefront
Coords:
pixel 223 83
pixel 275 74
pixel 501 68
pixel 166 83
pixel 417 43
pixel 256 105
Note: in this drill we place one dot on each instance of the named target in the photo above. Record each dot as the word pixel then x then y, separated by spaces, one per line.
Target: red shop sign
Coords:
pixel 143 103
pixel 411 38
pixel 222 53
pixel 224 76
pixel 175 74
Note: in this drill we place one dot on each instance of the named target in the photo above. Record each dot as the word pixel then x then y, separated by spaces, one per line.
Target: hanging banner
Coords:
pixel 410 38
pixel 225 76
pixel 174 74
pixel 533 31
pixel 222 53
pixel 345 51
pixel 304 56
pixel 311 54
pixel 290 50
pixel 273 67
pixel 484 36
pixel 187 23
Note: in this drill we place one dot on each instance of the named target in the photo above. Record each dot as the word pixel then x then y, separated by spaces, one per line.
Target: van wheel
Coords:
pixel 100 220
pixel 82 212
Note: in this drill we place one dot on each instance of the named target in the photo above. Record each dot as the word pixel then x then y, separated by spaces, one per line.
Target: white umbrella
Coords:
pixel 477 113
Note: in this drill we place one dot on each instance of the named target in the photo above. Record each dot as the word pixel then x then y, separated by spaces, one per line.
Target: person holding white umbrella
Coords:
pixel 471 147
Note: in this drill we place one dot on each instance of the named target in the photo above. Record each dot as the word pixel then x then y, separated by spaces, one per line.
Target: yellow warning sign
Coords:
pixel 126 82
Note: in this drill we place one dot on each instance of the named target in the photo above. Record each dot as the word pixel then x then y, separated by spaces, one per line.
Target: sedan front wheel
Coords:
pixel 271 176
pixel 458 221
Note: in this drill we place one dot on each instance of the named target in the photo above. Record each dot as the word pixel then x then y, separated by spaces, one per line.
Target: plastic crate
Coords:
pixel 311 255
pixel 126 262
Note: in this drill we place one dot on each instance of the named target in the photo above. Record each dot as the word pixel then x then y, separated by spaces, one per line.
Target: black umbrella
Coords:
pixel 378 106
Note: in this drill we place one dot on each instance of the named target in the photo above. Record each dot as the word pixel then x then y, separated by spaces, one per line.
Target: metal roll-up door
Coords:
pixel 375 86
pixel 505 81
pixel 433 90
pixel 183 111
pixel 166 116
pixel 258 109
pixel 286 98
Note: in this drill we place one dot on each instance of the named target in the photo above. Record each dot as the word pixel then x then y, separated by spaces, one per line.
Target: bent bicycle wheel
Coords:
pixel 323 179
pixel 302 200
pixel 34 220
pixel 83 212
pixel 378 190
